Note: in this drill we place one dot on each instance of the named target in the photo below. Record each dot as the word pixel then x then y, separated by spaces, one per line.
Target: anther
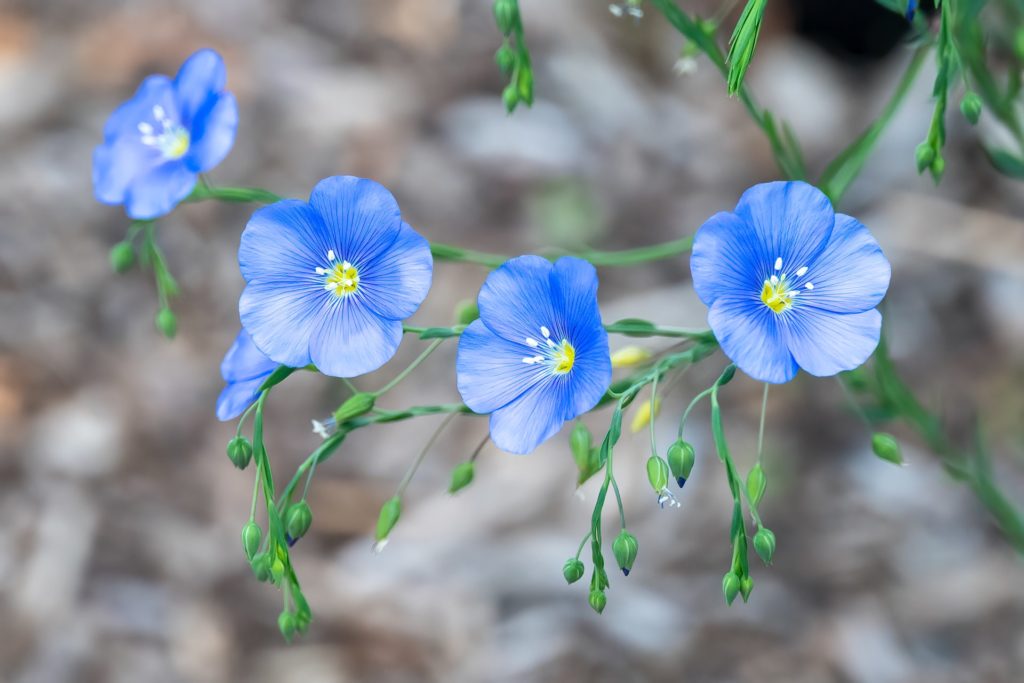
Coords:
pixel 778 263
pixel 802 271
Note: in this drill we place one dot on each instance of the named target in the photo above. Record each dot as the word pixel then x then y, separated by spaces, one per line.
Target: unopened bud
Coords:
pixel 746 587
pixel 629 356
pixel 598 600
pixel 938 167
pixel 390 511
pixel 970 107
pixel 297 519
pixel 681 457
pixel 506 13
pixel 580 441
pixel 505 58
pixel 730 587
pixel 887 447
pixel 462 476
pixel 286 624
pixel 572 570
pixel 354 406
pixel 510 96
pixel 764 544
pixel 466 312
pixel 122 257
pixel 166 323
pixel 251 537
pixel 524 83
pixel 624 548
pixel 756 484
pixel 240 452
pixel 726 376
pixel 924 155
pixel 276 570
pixel 657 473
pixel 260 564
pixel 643 416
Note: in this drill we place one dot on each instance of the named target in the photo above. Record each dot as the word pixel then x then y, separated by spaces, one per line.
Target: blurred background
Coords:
pixel 120 558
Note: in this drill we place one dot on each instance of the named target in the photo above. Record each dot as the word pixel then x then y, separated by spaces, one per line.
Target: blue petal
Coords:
pixel 351 340
pixel 851 275
pixel 792 221
pixel 532 419
pixel 490 372
pixel 361 216
pixel 154 90
pixel 117 163
pixel 213 133
pixel 727 258
pixel 201 77
pixel 516 300
pixel 825 344
pixel 282 319
pixel 236 397
pixel 159 190
pixel 750 335
pixel 245 361
pixel 396 283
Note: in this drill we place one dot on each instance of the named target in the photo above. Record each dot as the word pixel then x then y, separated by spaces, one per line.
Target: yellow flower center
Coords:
pixel 172 139
pixel 558 357
pixel 564 357
pixel 342 279
pixel 780 289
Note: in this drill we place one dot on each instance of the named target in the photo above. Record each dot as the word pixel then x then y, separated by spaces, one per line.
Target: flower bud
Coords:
pixel 925 155
pixel 598 600
pixel 240 452
pixel 886 447
pixel 730 587
pixel 642 417
pixel 462 476
pixel 657 473
pixel 938 168
pixel 260 564
pixel 580 441
pixel 276 570
pixel 572 570
pixel 166 323
pixel 510 96
pixel 297 519
pixel 251 537
pixel 466 311
pixel 390 511
pixel 629 356
pixel 505 58
pixel 681 457
pixel 764 544
pixel 524 83
pixel 122 257
pixel 726 376
pixel 590 467
pixel 624 548
pixel 970 107
pixel 506 12
pixel 756 484
pixel 746 587
pixel 286 624
pixel 354 406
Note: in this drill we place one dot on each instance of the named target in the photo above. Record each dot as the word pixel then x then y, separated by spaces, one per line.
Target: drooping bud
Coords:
pixel 924 155
pixel 466 311
pixel 970 107
pixel 681 457
pixel 726 375
pixel 240 452
pixel 938 167
pixel 510 96
pixel 390 511
pixel 756 484
pixel 286 624
pixel 276 570
pixel 643 416
pixel 251 537
pixel 166 322
pixel 354 406
pixel 462 476
pixel 629 356
pixel 122 257
pixel 260 564
pixel 657 473
pixel 572 570
pixel 524 83
pixel 746 587
pixel 730 587
pixel 506 13
pixel 297 520
pixel 625 548
pixel 598 600
pixel 764 544
pixel 505 58
pixel 887 447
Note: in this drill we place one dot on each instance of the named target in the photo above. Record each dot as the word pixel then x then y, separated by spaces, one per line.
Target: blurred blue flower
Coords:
pixel 790 283
pixel 244 370
pixel 157 143
pixel 538 355
pixel 911 8
pixel 329 282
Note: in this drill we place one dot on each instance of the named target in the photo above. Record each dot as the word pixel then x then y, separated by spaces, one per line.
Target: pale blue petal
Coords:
pixel 361 216
pixel 284 243
pixel 159 190
pixel 117 163
pixel 213 133
pixel 532 419
pixel 282 319
pixel 750 335
pixel 351 340
pixel 490 372
pixel 825 344
pixel 245 361
pixel 727 258
pixel 851 275
pixel 236 397
pixel 201 77
pixel 396 282
pixel 516 300
pixel 125 120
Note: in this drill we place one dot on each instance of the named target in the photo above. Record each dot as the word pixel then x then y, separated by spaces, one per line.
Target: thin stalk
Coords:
pixel 411 472
pixel 412 366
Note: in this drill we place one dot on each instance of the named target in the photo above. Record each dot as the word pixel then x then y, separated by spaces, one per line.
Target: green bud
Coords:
pixel 166 322
pixel 624 548
pixel 240 452
pixel 260 564
pixel 887 447
pixel 1018 44
pixel 510 96
pixel 572 570
pixel 251 537
pixel 598 600
pixel 764 544
pixel 590 467
pixel 506 13
pixel 462 476
pixel 727 376
pixel 925 155
pixel 297 519
pixel 742 43
pixel 970 107
pixel 286 624
pixel 730 587
pixel 756 484
pixel 580 441
pixel 467 311
pixel 524 83
pixel 657 473
pixel 276 570
pixel 122 257
pixel 390 511
pixel 681 457
pixel 505 58
pixel 354 406
pixel 938 168
pixel 746 587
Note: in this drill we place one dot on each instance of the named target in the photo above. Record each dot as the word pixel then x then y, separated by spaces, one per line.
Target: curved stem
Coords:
pixel 760 429
pixel 583 543
pixel 412 366
pixel 411 472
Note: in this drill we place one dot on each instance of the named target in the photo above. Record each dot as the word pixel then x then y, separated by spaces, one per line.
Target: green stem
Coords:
pixel 760 428
pixel 583 543
pixel 412 366
pixel 411 472
pixel 693 404
pixel 630 329
pixel 204 191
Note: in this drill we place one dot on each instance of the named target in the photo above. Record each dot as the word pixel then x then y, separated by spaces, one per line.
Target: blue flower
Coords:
pixel 156 144
pixel 790 283
pixel 244 370
pixel 329 282
pixel 538 355
pixel 911 8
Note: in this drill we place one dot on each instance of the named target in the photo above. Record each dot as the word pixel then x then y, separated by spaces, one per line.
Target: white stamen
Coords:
pixel 145 128
pixel 550 343
pixel 345 265
pixel 531 342
pixel 321 271
pixel 532 360
pixel 347 282
pixel 778 263
pixel 545 331
pixel 331 286
pixel 330 254
pixel 774 279
pixel 802 271
pixel 158 113
pixel 809 285
pixel 636 12
pixel 615 10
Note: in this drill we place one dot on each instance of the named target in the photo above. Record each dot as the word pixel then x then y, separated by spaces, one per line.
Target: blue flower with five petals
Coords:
pixel 156 144
pixel 538 355
pixel 790 283
pixel 329 282
pixel 244 370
